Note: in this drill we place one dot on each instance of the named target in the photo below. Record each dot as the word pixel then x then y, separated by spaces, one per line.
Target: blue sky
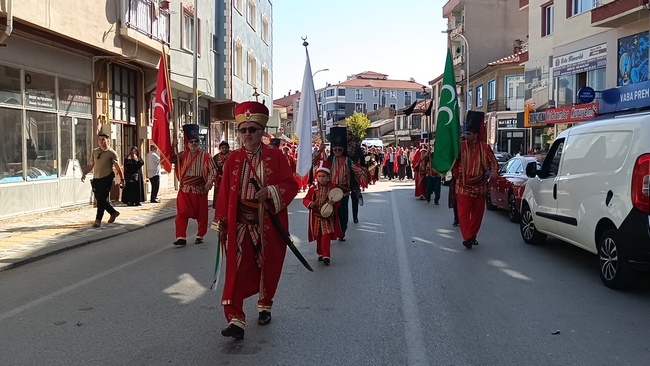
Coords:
pixel 398 38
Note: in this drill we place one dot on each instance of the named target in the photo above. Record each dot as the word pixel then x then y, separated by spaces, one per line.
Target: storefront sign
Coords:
pixel 507 123
pixel 492 129
pixel 581 61
pixel 577 113
pixel 74 97
pixel 39 98
pixel 586 94
pixel 626 97
pixel 536 119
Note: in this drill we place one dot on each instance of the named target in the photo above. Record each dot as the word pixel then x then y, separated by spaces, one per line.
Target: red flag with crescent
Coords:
pixel 162 116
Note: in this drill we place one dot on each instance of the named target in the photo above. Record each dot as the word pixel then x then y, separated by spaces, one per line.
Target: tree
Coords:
pixel 357 124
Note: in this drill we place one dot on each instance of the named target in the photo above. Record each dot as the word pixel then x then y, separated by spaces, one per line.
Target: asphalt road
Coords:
pixel 402 290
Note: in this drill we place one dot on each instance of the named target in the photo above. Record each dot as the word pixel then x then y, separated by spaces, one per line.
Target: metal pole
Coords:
pixel 467 106
pixel 195 80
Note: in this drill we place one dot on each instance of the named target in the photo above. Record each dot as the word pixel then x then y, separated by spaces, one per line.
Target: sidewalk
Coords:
pixel 32 237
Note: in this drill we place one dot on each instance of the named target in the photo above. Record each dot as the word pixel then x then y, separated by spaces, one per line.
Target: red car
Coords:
pixel 506 190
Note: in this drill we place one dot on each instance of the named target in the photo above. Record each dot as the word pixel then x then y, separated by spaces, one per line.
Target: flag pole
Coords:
pixel 318 120
pixel 171 108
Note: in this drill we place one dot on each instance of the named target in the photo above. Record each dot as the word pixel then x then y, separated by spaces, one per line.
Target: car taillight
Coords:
pixel 641 184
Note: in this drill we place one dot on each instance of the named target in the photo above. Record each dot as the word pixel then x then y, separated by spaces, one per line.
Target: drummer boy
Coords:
pixel 322 200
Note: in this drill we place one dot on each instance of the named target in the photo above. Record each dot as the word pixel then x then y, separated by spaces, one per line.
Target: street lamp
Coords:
pixel 424 95
pixel 320 113
pixel 448 31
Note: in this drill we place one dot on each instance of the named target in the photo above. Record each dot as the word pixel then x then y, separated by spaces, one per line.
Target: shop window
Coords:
pixel 83 134
pixel 74 97
pixel 10 86
pixel 39 91
pixel 11 148
pixel 566 89
pixel 123 94
pixel 42 155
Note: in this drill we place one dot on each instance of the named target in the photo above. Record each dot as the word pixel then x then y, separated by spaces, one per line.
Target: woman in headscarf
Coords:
pixel 133 192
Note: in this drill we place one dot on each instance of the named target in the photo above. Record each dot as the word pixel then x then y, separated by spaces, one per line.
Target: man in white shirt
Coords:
pixel 153 172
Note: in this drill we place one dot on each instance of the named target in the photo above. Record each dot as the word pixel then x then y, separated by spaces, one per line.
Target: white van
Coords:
pixel 593 191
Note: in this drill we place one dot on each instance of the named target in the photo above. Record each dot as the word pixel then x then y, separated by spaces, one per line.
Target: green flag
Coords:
pixel 447 142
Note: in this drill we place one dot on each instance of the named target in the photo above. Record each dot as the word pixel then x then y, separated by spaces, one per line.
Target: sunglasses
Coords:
pixel 250 130
pixel 193 142
pixel 338 149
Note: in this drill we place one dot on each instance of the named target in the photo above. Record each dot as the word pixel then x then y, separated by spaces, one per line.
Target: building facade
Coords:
pixel 100 59
pixel 471 45
pixel 243 63
pixel 578 46
pixel 364 93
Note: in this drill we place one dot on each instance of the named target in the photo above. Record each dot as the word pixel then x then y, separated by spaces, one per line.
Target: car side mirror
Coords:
pixel 531 169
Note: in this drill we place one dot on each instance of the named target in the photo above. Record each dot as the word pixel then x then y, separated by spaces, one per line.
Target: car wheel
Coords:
pixel 615 270
pixel 512 208
pixel 488 202
pixel 527 228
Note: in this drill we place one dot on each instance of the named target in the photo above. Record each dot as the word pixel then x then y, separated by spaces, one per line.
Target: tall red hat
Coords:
pixel 252 112
pixel 324 166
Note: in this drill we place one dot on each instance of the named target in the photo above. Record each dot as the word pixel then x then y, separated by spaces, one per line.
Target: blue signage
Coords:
pixel 631 96
pixel 586 95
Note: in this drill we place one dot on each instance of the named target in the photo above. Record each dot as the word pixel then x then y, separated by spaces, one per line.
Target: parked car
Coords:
pixel 593 191
pixel 506 189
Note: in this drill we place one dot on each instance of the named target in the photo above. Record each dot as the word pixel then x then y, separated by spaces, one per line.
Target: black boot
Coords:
pixel 180 242
pixel 233 331
pixel 467 244
pixel 264 317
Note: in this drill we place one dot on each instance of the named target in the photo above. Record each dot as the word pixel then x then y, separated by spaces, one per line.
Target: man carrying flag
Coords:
pixel 475 159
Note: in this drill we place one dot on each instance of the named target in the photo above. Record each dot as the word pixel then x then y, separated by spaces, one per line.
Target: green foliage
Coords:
pixel 357 124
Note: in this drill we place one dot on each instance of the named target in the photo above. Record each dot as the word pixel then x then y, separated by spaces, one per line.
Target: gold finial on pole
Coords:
pixel 255 93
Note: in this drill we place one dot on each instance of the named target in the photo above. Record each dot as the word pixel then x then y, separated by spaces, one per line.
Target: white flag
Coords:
pixel 307 112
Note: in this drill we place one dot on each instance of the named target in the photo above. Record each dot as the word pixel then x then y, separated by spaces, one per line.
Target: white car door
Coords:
pixel 544 190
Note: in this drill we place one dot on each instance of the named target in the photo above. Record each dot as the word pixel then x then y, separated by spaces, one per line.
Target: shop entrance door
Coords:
pixel 76 148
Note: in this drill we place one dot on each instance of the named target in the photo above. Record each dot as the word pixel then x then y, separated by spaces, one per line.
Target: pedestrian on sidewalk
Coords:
pixel 103 161
pixel 433 182
pixel 255 248
pixel 153 172
pixel 196 172
pixel 474 160
pixel 133 192
pixel 322 229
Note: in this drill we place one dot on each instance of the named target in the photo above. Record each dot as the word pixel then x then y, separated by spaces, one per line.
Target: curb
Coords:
pixel 81 242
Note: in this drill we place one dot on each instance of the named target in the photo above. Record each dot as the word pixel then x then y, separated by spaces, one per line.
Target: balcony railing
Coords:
pixel 515 104
pixel 458 29
pixel 458 59
pixel 147 18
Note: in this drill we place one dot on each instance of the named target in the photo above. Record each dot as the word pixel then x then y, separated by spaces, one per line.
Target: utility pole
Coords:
pixel 195 79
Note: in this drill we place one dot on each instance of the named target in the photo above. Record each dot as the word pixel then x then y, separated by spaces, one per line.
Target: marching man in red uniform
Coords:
pixel 473 162
pixel 322 229
pixel 196 173
pixel 255 249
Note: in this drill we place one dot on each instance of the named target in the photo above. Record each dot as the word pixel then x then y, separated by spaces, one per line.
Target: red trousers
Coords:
pixel 191 206
pixel 323 244
pixel 470 215
pixel 247 283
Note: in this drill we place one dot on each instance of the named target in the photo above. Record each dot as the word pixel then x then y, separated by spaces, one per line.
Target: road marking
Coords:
pixel 413 335
pixel 75 286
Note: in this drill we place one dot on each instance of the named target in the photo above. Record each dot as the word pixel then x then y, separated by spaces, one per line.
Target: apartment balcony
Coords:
pixel 514 104
pixel 145 22
pixel 458 60
pixel 449 7
pixel 523 4
pixel 458 29
pixel 617 13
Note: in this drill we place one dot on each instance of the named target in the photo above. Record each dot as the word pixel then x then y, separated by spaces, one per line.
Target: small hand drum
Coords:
pixel 326 210
pixel 335 194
